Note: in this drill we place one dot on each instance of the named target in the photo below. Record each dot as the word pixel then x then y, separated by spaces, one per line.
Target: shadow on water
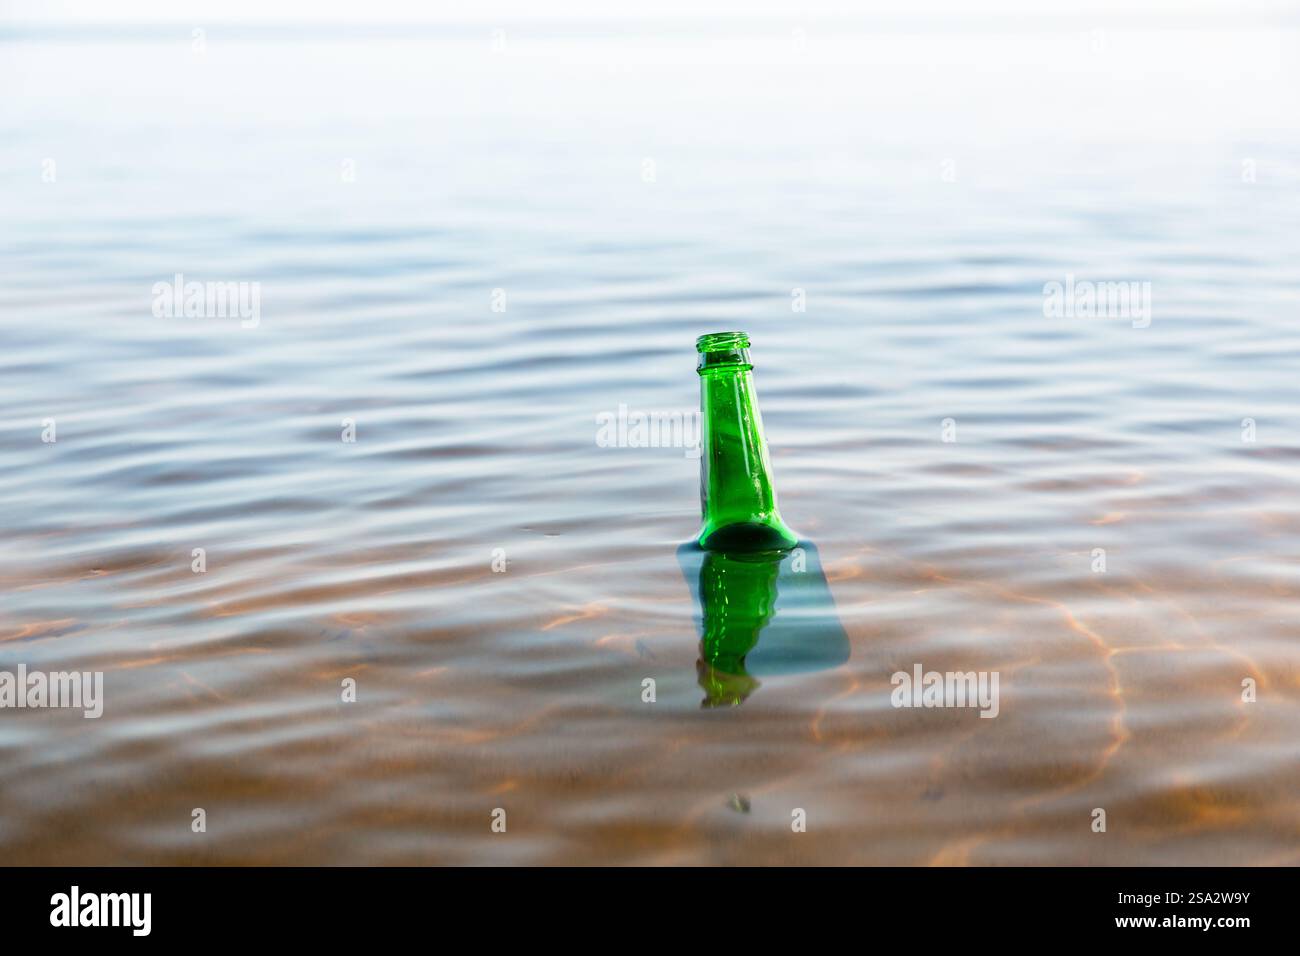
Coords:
pixel 760 615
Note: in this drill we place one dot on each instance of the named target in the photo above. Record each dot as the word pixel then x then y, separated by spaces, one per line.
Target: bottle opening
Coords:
pixel 723 350
pixel 722 342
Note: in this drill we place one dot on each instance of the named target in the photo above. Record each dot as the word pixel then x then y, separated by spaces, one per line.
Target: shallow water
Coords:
pixel 464 252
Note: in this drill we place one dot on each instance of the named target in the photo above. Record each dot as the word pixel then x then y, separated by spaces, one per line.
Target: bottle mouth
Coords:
pixel 723 350
pixel 722 342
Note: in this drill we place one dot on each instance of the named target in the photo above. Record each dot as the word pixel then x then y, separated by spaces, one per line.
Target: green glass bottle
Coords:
pixel 736 493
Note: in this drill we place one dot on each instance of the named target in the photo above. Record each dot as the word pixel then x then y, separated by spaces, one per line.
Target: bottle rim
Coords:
pixel 722 342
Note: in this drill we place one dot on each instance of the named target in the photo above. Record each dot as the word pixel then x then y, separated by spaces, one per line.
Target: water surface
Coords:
pixel 471 254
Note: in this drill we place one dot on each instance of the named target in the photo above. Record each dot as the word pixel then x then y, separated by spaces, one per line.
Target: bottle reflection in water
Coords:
pixel 760 614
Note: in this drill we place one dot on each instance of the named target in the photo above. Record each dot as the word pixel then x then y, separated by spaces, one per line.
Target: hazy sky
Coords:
pixel 796 10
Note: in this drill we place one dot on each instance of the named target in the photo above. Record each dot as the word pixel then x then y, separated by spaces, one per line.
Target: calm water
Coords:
pixel 625 195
